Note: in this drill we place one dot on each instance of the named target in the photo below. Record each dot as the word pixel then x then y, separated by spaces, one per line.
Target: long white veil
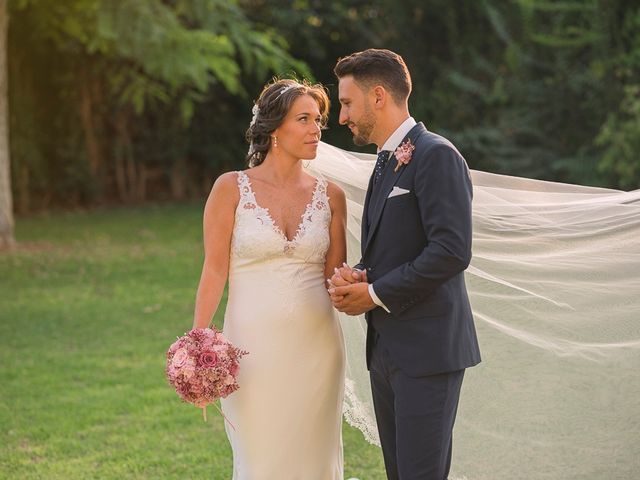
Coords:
pixel 555 289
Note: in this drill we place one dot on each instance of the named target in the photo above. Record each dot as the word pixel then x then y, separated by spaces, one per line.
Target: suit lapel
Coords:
pixel 388 181
pixel 364 230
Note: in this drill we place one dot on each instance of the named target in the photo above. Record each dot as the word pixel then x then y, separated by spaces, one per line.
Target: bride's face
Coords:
pixel 355 111
pixel 300 132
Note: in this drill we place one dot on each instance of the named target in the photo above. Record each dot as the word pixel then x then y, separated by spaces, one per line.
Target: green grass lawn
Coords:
pixel 89 303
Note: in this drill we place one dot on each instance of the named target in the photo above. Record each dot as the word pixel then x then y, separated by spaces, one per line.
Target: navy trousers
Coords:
pixel 415 417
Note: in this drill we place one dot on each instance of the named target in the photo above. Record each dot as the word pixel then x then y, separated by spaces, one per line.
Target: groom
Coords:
pixel 416 244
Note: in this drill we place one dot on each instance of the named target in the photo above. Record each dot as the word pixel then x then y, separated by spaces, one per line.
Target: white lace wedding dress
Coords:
pixel 287 414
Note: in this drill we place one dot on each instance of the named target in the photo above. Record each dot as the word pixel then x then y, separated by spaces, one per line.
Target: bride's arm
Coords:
pixel 219 215
pixel 337 253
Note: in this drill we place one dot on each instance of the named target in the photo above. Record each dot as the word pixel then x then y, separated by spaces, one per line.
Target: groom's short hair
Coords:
pixel 377 67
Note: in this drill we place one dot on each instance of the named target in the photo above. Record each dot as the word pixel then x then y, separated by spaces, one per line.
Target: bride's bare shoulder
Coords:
pixel 225 190
pixel 336 196
pixel 334 189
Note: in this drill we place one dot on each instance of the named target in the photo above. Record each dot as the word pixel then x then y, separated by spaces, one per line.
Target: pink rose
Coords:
pixel 235 368
pixel 174 347
pixel 179 358
pixel 208 359
pixel 188 371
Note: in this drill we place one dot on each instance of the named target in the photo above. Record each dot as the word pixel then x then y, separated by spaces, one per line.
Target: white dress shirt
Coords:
pixel 391 144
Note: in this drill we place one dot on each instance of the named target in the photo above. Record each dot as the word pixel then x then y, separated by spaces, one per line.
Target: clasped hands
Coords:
pixel 349 291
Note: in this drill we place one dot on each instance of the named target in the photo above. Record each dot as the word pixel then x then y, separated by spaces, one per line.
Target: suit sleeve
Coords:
pixel 443 190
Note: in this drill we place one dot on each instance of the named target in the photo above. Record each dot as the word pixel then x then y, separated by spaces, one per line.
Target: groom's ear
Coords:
pixel 380 96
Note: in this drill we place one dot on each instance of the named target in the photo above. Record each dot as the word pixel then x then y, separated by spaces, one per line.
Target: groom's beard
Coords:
pixel 365 126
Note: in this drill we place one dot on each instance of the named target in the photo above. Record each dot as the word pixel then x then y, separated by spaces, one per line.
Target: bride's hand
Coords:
pixel 337 280
pixel 345 275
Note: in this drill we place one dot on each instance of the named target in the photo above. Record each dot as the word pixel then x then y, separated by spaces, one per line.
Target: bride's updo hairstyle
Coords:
pixel 272 107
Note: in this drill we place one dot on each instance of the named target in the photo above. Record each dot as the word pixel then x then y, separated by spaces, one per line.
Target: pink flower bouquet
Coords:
pixel 203 366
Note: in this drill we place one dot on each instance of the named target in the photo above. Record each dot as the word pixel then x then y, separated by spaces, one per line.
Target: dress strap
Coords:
pixel 247 197
pixel 320 199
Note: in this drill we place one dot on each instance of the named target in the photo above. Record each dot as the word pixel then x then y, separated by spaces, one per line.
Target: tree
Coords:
pixel 107 91
pixel 130 100
pixel 620 133
pixel 6 206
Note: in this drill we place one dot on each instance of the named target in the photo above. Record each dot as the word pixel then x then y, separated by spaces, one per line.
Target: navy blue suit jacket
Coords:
pixel 415 247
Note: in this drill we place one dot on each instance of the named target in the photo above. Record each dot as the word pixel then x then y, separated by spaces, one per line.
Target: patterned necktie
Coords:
pixel 383 158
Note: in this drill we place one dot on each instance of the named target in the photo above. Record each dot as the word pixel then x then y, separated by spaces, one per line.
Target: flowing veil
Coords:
pixel 555 289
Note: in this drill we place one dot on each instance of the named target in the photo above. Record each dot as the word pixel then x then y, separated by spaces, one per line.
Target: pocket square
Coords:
pixel 398 191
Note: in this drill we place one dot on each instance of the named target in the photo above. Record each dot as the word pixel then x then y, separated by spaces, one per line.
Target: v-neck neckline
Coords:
pixel 275 226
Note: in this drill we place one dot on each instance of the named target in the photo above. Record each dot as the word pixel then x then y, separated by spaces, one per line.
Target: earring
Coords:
pixel 275 141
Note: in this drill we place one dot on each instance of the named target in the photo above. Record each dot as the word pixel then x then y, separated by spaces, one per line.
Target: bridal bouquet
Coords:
pixel 203 366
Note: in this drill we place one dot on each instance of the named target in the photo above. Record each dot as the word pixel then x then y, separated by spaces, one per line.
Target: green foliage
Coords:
pixel 110 68
pixel 620 135
pixel 129 100
pixel 532 84
pixel 155 49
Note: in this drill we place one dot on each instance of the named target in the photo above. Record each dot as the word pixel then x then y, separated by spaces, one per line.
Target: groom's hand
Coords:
pixel 353 299
pixel 346 275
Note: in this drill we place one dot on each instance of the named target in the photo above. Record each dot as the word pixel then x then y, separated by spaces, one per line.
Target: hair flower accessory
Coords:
pixel 284 90
pixel 255 111
pixel 403 154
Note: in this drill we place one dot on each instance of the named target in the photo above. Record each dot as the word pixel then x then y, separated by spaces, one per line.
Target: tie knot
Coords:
pixel 383 157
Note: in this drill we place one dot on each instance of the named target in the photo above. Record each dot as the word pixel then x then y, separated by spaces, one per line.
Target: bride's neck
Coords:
pixel 279 171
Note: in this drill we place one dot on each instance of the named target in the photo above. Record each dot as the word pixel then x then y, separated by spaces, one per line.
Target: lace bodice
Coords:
pixel 257 238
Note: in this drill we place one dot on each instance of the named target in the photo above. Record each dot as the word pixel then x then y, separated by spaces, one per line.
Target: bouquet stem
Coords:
pixel 224 416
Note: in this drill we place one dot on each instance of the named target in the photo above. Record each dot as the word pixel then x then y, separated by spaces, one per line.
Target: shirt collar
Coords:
pixel 396 137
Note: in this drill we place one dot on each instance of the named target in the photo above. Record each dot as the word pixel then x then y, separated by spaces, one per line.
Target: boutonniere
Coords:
pixel 403 154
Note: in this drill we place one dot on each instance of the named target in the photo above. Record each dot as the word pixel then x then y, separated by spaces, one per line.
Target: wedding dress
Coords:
pixel 554 284
pixel 287 415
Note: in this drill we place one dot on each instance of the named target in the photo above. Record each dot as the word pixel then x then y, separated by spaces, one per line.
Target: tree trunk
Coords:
pixel 131 176
pixel 90 126
pixel 6 200
pixel 23 198
pixel 179 179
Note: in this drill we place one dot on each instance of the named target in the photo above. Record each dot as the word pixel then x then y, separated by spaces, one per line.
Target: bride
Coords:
pixel 277 232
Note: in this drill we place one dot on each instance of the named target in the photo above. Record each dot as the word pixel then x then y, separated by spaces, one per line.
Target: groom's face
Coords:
pixel 355 110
